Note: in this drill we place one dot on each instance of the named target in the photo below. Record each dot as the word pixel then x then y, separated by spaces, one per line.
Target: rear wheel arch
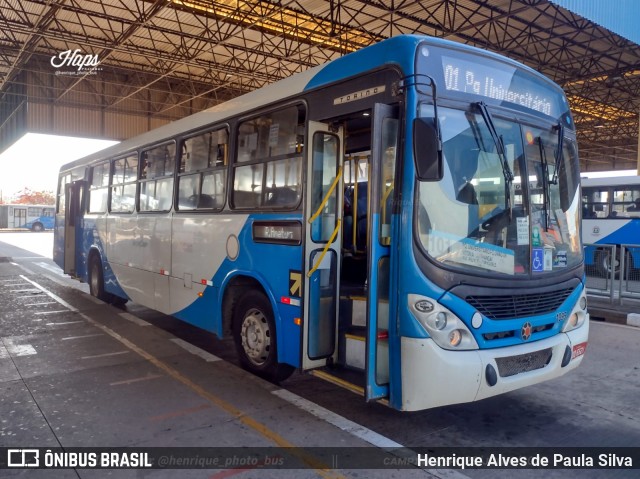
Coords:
pixel 250 316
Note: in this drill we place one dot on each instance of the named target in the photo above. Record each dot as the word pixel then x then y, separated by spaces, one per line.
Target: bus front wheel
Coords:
pixel 37 227
pixel 96 279
pixel 254 335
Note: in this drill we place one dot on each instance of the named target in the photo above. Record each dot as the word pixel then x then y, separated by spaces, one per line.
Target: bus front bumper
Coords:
pixel 432 376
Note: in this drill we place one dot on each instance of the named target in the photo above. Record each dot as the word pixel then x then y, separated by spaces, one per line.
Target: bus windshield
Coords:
pixel 475 218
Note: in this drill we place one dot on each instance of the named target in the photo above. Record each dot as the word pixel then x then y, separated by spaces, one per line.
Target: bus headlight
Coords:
pixel 445 328
pixel 441 321
pixel 573 320
pixel 583 301
pixel 578 314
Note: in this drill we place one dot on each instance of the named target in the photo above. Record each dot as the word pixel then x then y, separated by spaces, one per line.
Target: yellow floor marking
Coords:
pixel 310 460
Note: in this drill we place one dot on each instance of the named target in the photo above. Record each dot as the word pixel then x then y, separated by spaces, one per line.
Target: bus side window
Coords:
pixel 156 178
pixel 267 171
pixel 202 173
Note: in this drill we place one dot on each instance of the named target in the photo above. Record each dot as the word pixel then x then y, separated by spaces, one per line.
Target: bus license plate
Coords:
pixel 578 350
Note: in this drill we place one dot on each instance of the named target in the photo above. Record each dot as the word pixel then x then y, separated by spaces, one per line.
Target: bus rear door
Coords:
pixel 72 215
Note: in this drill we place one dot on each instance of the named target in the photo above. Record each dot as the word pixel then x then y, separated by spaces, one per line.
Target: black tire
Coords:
pixel 96 279
pixel 604 263
pixel 37 227
pixel 118 301
pixel 254 334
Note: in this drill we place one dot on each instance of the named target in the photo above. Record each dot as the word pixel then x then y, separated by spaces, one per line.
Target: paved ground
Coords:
pixel 74 372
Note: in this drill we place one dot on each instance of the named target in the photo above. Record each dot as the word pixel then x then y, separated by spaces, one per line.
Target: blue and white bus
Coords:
pixel 371 220
pixel 611 216
pixel 33 217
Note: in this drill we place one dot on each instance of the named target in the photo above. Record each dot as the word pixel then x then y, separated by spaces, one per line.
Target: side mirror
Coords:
pixel 427 150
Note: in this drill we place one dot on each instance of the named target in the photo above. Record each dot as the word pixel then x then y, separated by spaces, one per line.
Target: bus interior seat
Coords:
pixel 281 196
pixel 205 201
pixel 197 202
pixel 246 199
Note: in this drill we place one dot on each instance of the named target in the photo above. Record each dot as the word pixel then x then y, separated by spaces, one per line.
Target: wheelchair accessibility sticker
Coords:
pixel 537 259
pixel 541 259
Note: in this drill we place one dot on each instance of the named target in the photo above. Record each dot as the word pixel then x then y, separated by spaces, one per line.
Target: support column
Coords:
pixel 638 154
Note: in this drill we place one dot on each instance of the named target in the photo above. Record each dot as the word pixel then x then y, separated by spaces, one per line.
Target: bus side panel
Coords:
pixel 278 264
pixel 125 259
pixel 610 231
pixel 92 235
pixel 151 246
pixel 198 251
pixel 589 255
pixel 272 265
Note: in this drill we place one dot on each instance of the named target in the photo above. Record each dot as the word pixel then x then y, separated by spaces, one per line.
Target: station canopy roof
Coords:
pixel 215 50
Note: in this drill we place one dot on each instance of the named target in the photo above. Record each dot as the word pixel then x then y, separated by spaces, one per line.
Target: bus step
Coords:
pixel 342 378
pixel 355 351
pixel 347 379
pixel 354 309
pixel 352 297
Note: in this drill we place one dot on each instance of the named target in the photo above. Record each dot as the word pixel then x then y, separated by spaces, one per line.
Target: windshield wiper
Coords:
pixel 558 154
pixel 506 170
pixel 545 183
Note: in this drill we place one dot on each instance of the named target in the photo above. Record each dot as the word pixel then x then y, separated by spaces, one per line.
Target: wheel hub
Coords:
pixel 256 340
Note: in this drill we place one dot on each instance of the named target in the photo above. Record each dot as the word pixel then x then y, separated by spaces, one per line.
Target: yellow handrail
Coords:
pixel 326 248
pixel 326 197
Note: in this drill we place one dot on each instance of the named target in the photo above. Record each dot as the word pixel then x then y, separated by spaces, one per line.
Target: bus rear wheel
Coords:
pixel 96 279
pixel 608 265
pixel 254 334
pixel 37 227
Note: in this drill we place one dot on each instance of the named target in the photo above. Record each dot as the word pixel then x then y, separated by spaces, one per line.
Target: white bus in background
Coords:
pixel 611 216
pixel 33 217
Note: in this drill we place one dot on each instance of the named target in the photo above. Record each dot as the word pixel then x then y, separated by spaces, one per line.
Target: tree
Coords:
pixel 26 196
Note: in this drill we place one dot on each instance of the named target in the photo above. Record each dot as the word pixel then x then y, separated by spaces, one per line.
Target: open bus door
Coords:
pixel 72 214
pixel 384 139
pixel 323 245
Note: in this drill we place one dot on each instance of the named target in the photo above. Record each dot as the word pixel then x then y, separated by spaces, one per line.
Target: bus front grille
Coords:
pixel 519 306
pixel 522 363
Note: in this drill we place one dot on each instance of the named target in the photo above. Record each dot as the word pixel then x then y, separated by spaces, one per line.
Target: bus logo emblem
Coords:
pixel 525 332
pixel 596 230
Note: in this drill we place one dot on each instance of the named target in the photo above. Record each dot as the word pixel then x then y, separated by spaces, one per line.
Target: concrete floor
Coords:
pixel 75 372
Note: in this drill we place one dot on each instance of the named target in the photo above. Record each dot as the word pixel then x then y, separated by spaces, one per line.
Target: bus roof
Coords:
pixel 397 50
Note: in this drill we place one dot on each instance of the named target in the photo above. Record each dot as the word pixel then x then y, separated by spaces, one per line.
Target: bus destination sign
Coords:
pixel 277 232
pixel 496 81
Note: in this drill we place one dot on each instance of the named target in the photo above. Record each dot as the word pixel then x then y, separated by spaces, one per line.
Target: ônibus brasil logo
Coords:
pixel 83 64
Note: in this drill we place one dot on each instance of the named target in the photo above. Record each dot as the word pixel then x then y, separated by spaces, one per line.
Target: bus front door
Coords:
pixel 384 139
pixel 323 242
